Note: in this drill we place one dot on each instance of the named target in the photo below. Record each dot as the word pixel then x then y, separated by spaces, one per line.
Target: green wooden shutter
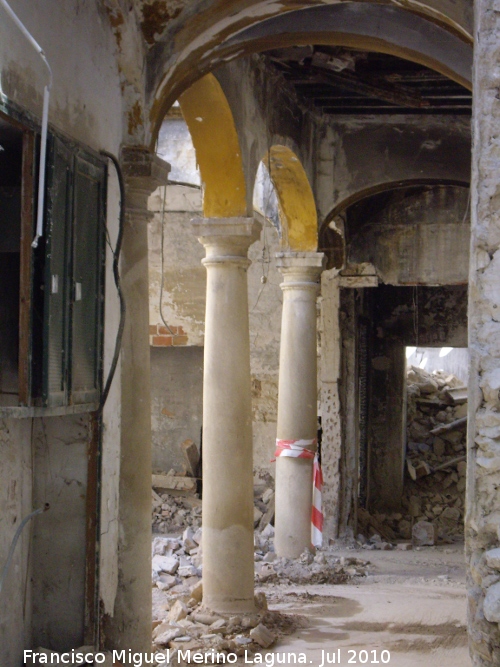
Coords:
pixel 56 275
pixel 87 283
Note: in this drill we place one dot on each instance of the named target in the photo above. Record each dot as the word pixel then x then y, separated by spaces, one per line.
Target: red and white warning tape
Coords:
pixel 295 448
pixel 302 449
pixel 317 512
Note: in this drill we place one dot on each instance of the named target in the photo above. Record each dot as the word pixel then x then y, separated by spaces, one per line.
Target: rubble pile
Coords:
pixel 174 513
pixel 434 485
pixel 323 568
pixel 180 621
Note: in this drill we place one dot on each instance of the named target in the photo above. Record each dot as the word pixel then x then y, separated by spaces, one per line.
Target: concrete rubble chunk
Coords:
pixel 492 558
pixel 167 564
pixel 204 619
pixel 423 534
pixel 188 540
pixel 197 591
pixel 260 601
pixel 165 632
pixel 187 569
pixel 268 517
pixel 268 495
pixel 174 482
pixel 491 606
pixel 263 636
pixel 257 515
pixel 457 395
pixel 449 518
pixel 197 536
pixel 268 531
pixel 165 582
pixel 191 456
pixel 178 612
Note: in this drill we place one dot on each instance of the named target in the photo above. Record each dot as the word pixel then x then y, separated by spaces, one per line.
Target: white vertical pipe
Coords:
pixel 45 120
pixel 41 171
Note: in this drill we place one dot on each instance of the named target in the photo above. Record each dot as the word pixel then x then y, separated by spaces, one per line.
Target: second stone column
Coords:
pixel 297 401
pixel 228 563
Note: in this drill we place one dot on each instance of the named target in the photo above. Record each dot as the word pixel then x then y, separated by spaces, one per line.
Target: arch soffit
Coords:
pixel 215 139
pixel 362 25
pixel 378 189
pixel 297 209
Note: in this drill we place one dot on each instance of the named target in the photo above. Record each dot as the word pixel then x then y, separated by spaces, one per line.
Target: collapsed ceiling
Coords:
pixel 337 80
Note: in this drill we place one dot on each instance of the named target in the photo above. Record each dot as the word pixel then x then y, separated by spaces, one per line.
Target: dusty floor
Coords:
pixel 412 605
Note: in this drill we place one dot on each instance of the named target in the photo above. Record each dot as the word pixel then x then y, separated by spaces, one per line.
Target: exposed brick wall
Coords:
pixel 160 336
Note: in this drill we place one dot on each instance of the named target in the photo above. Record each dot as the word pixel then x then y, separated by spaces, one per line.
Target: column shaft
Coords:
pixel 297 399
pixel 228 566
pixel 130 625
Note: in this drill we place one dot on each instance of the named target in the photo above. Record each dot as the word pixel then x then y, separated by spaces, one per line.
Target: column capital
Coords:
pixel 226 238
pixel 300 270
pixel 143 172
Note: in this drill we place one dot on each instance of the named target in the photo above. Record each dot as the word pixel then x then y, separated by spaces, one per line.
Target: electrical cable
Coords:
pixel 18 532
pixel 162 255
pixel 116 275
pixel 184 184
pixel 162 284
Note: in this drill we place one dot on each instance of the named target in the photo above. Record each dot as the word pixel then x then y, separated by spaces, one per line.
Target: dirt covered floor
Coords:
pixel 411 604
pixel 405 609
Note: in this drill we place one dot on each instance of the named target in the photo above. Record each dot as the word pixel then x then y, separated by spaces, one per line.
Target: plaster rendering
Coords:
pixel 337 133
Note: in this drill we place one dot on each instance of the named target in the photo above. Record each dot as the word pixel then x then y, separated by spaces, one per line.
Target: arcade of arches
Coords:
pixel 341 207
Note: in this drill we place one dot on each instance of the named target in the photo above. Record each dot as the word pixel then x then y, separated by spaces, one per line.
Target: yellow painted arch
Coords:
pixel 211 124
pixel 297 209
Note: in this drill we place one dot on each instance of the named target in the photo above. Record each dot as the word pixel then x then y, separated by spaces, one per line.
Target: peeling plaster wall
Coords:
pixel 363 155
pixel 482 525
pixel 184 305
pixel 329 382
pixel 58 560
pixel 265 307
pixel 176 403
pixel 15 504
pixel 77 39
pixel 45 588
pixel 184 282
pixel 86 105
pixel 418 238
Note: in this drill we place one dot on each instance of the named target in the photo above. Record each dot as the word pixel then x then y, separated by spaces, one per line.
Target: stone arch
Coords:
pixel 359 25
pixel 211 125
pixel 296 206
pixel 383 187
pixel 435 219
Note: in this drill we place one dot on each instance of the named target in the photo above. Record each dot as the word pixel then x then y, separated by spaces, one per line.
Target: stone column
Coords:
pixel 228 565
pixel 482 523
pixel 130 625
pixel 297 399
